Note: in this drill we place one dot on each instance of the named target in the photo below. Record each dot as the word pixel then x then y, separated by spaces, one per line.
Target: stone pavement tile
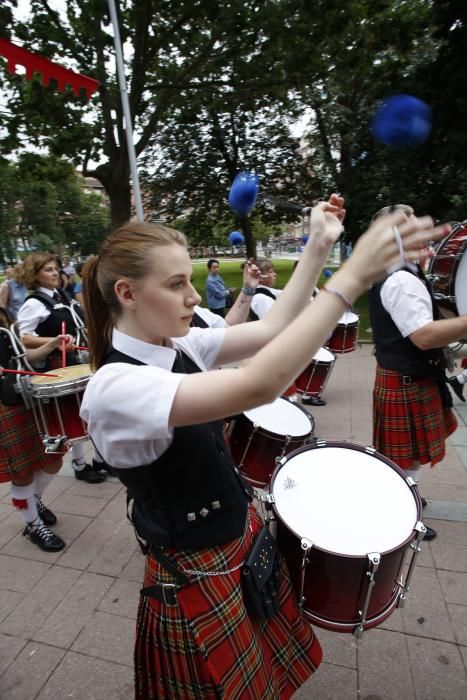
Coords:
pixel 33 666
pixel 68 528
pixel 437 668
pixel 329 682
pixel 19 574
pixel 75 611
pixel 10 647
pixel 115 510
pixel 81 677
pixel 40 602
pixel 463 651
pixel 6 509
pixel 383 666
pixel 134 570
pixel 4 490
pixel 425 555
pixel 454 587
pixel 338 649
pixel 8 601
pixel 458 615
pixel 106 489
pixel 446 492
pixel 59 485
pixel 117 551
pixel 107 637
pixel 449 533
pixel 452 557
pixel 81 505
pixel 88 544
pixel 10 528
pixel 394 622
pixel 121 599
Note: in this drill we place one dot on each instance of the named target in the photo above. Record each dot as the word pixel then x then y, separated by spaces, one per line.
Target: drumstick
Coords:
pixel 63 345
pixel 23 371
pixel 80 347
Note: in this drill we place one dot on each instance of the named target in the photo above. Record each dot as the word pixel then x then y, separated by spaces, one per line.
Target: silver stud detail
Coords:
pixel 203 512
pixel 191 517
pixel 216 505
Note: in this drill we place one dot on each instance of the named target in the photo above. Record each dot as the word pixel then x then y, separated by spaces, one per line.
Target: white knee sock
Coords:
pixel 41 480
pixel 24 500
pixel 77 457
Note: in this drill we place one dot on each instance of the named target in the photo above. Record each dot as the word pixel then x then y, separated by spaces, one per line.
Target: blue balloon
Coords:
pixel 305 240
pixel 236 238
pixel 327 272
pixel 402 120
pixel 243 192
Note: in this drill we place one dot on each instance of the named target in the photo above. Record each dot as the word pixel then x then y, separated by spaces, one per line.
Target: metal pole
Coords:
pixel 126 111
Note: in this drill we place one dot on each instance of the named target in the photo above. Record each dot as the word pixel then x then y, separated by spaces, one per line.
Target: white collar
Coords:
pixel 45 290
pixel 156 355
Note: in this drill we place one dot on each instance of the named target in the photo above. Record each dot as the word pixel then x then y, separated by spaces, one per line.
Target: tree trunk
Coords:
pixel 250 241
pixel 116 179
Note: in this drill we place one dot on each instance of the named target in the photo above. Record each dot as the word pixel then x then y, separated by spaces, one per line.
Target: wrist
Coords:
pixel 248 291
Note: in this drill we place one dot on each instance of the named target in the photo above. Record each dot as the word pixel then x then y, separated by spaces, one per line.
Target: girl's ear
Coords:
pixel 124 291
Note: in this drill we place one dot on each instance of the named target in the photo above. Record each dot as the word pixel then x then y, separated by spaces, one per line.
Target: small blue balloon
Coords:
pixel 305 240
pixel 236 238
pixel 243 192
pixel 327 272
pixel 402 120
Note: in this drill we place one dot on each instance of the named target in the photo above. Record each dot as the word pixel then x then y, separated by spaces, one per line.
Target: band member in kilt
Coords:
pixel 155 414
pixel 39 319
pixel 412 414
pixel 23 460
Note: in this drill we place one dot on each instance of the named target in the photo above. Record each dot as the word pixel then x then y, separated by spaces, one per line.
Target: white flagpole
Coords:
pixel 126 111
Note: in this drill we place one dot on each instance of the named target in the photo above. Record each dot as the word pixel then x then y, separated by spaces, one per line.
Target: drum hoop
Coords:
pixel 69 386
pixel 358 448
pixel 280 436
pixel 455 258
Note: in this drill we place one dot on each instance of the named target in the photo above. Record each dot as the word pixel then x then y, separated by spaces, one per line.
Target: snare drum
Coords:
pixel 56 403
pixel 448 272
pixel 345 517
pixel 344 337
pixel 314 378
pixel 261 436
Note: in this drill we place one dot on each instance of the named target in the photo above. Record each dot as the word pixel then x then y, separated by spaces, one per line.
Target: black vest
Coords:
pixel 267 293
pixel 192 496
pixel 395 352
pixel 198 322
pixel 52 325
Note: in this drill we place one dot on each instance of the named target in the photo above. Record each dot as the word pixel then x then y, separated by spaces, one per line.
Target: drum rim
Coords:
pixel 279 436
pixel 359 448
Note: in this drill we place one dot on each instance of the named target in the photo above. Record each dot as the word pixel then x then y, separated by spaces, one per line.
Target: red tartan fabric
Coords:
pixel 409 421
pixel 21 448
pixel 208 648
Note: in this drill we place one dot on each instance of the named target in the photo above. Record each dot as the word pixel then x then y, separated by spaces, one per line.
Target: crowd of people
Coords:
pixel 155 413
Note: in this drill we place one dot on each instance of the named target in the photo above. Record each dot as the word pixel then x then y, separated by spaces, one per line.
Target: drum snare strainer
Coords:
pixel 346 516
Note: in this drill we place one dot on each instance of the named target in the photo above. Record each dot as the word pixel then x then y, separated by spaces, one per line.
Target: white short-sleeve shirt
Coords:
pixel 213 320
pixel 33 312
pixel 260 304
pixel 406 299
pixel 127 407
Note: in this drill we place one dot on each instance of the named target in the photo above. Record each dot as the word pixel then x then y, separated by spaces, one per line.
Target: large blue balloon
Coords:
pixel 236 238
pixel 243 192
pixel 402 120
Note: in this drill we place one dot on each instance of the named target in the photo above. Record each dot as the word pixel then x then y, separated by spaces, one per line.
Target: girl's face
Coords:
pixel 269 277
pixel 160 305
pixel 48 276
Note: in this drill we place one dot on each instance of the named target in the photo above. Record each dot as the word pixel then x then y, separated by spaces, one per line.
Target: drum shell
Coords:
pixel 443 269
pixel 344 337
pixel 312 381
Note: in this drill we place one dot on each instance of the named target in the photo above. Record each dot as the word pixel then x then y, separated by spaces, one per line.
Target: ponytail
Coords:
pixel 98 315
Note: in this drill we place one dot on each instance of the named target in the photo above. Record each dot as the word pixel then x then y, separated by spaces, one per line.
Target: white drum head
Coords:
pixel 347 318
pixel 281 417
pixel 323 355
pixel 460 285
pixel 344 501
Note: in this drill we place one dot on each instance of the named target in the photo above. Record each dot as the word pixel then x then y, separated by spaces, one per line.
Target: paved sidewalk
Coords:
pixel 67 619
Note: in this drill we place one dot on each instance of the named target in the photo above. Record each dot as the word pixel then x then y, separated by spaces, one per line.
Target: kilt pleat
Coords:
pixel 21 448
pixel 409 420
pixel 208 647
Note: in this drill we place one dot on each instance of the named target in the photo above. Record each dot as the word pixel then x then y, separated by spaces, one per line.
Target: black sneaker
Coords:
pixel 101 468
pixel 45 514
pixel 89 475
pixel 44 538
pixel 430 534
pixel 314 401
pixel 457 388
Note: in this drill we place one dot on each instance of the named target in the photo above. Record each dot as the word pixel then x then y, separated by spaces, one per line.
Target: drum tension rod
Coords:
pixel 415 546
pixel 374 559
pixel 305 545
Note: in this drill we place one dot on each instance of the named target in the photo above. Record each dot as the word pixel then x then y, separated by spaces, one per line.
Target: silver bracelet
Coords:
pixel 340 296
pixel 249 291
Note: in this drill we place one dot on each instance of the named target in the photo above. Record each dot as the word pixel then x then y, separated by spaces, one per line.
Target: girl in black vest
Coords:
pixel 40 319
pixel 23 460
pixel 154 413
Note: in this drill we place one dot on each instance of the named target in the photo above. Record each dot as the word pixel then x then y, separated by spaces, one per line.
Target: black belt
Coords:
pixel 166 592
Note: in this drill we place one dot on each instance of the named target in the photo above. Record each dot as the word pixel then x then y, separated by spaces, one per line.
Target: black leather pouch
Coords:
pixel 260 577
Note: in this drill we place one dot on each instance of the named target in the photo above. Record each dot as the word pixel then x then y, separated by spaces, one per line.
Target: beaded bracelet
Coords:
pixel 249 291
pixel 340 296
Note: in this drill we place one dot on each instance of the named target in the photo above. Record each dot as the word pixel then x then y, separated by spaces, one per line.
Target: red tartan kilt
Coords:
pixel 21 448
pixel 409 420
pixel 207 647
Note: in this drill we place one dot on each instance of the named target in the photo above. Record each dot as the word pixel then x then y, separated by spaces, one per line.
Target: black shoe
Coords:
pixel 89 475
pixel 45 514
pixel 314 401
pixel 100 468
pixel 430 534
pixel 457 388
pixel 44 538
pixel 424 504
